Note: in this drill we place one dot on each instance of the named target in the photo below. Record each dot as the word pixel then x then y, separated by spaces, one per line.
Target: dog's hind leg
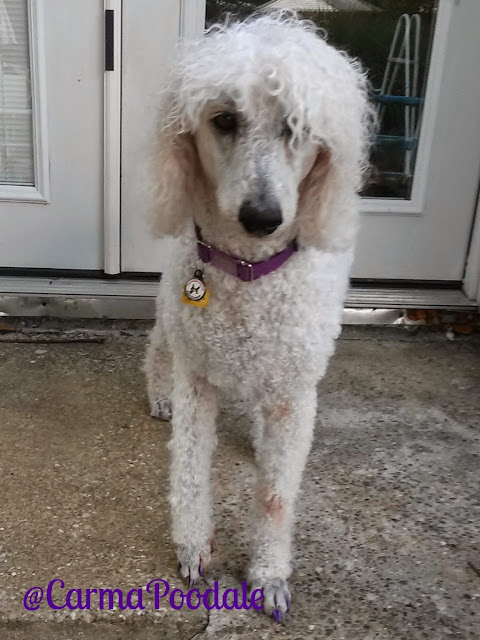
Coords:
pixel 158 370
pixel 281 456
pixel 195 407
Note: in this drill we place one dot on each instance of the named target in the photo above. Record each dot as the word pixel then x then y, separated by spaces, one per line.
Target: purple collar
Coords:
pixel 245 271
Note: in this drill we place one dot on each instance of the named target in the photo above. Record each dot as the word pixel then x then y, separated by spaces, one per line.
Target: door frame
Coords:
pixel 471 281
pixel 112 142
pixel 192 18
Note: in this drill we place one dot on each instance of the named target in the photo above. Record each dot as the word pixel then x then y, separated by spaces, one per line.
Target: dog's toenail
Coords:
pixel 192 582
pixel 201 570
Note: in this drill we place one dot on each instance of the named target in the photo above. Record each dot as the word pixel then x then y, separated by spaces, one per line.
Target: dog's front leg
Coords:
pixel 281 455
pixel 194 403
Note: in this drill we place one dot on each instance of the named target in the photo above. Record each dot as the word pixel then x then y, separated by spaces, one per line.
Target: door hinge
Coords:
pixel 109 40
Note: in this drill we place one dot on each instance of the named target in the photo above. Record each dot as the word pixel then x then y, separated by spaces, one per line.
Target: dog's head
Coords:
pixel 263 132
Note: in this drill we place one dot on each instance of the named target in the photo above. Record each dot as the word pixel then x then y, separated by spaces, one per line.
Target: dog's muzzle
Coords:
pixel 260 219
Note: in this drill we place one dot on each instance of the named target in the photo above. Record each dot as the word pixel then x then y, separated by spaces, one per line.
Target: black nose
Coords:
pixel 260 219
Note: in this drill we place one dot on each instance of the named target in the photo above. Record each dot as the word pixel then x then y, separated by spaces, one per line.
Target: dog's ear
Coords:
pixel 327 206
pixel 176 184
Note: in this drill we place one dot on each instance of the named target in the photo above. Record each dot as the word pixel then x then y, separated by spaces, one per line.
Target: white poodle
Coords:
pixel 262 145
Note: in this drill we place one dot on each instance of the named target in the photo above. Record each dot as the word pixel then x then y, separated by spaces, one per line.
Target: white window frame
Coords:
pixel 40 192
pixel 416 204
pixel 193 24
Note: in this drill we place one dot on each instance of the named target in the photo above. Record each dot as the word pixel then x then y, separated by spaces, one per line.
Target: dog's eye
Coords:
pixel 225 122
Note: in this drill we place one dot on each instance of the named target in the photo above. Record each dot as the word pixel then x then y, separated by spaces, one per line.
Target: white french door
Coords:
pixel 51 134
pixel 419 202
pixel 426 237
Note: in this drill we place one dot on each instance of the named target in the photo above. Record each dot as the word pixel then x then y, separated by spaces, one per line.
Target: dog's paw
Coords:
pixel 276 597
pixel 192 564
pixel 161 409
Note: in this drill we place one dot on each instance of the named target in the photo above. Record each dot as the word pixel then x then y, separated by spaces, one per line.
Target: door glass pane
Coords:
pixel 393 39
pixel 16 128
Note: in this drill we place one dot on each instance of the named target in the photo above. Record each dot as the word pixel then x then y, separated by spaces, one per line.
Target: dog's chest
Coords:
pixel 238 335
pixel 262 333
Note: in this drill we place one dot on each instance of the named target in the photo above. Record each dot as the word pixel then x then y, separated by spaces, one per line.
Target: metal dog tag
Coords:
pixel 195 291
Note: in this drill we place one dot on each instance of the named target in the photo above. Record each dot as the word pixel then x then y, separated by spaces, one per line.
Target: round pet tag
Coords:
pixel 195 289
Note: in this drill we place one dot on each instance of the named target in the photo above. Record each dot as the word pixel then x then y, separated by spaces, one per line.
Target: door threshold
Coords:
pixel 135 299
pixel 388 297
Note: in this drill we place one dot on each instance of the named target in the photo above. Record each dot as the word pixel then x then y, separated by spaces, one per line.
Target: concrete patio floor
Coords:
pixel 387 542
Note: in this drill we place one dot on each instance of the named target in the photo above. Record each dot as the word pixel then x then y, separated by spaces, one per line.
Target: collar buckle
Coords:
pixel 249 266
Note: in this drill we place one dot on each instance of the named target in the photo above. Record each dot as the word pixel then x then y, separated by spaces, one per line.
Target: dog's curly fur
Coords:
pixel 267 342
